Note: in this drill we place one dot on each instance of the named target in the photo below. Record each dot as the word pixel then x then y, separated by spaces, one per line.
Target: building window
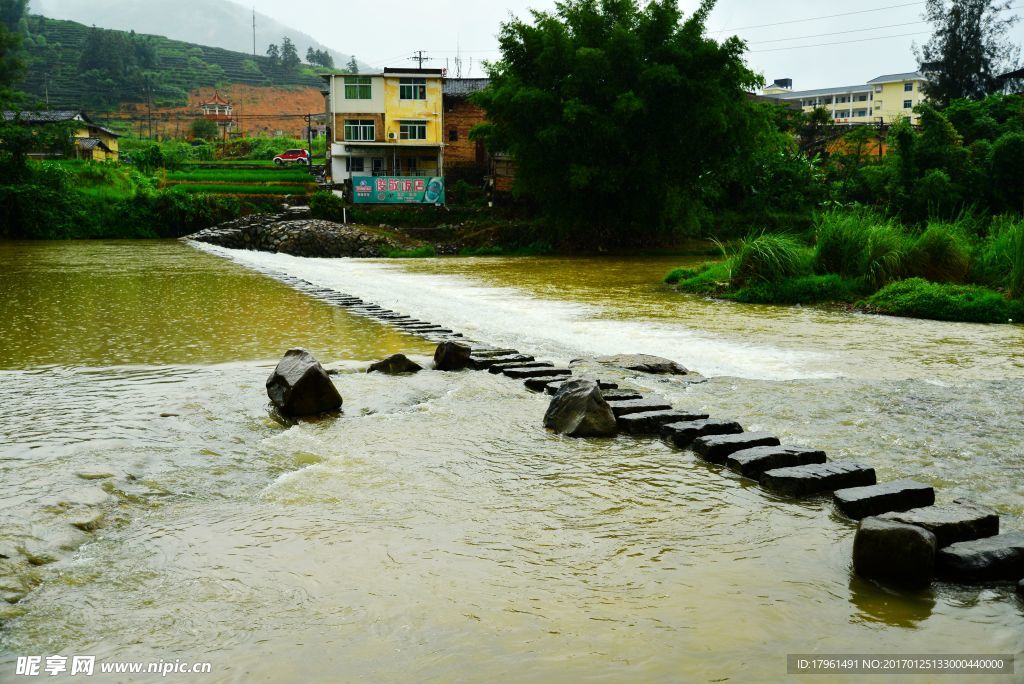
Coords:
pixel 908 104
pixel 360 129
pixel 453 135
pixel 357 88
pixel 356 164
pixel 412 89
pixel 377 165
pixel 413 130
pixel 908 87
pixel 410 165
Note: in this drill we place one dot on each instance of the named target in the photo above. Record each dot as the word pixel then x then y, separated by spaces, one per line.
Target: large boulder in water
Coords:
pixel 452 356
pixel 894 552
pixel 579 410
pixel 395 364
pixel 300 386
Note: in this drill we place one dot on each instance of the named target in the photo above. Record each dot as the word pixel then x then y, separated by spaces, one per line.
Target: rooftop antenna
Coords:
pixel 253 31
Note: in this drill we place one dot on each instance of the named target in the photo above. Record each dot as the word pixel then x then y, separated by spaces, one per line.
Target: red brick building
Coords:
pixel 464 159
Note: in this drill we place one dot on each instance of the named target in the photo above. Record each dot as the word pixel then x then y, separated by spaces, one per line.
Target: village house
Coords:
pixel 90 140
pixel 386 124
pixel 464 159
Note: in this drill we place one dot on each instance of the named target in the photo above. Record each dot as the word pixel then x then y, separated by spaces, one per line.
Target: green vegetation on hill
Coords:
pixel 72 65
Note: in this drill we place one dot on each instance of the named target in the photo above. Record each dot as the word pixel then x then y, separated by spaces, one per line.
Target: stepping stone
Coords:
pixel 499 367
pixel 951 523
pixel 622 395
pixel 682 434
pixel 524 373
pixel 539 383
pixel 817 478
pixel 901 495
pixel 717 448
pixel 553 388
pixel 487 353
pixel 990 559
pixel 484 362
pixel 754 462
pixel 624 408
pixel 894 553
pixel 650 422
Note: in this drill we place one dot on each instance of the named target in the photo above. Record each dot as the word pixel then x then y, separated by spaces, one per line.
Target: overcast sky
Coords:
pixel 844 50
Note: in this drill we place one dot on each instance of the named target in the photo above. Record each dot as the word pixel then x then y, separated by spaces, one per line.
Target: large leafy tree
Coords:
pixel 968 49
pixel 12 65
pixel 289 55
pixel 619 116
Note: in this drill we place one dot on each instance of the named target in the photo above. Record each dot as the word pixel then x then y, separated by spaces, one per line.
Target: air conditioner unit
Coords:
pixel 391 136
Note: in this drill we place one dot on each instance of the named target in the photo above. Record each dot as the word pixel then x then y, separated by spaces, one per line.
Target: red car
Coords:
pixel 292 157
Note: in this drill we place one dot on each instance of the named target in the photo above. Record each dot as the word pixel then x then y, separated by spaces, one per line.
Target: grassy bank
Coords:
pixel 969 269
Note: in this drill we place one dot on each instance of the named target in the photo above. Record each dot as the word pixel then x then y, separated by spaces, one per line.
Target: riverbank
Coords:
pixel 968 270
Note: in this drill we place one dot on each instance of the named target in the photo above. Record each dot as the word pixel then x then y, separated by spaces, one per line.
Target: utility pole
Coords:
pixel 419 57
pixel 253 31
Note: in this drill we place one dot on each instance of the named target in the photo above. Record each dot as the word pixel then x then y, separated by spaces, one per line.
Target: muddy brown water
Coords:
pixel 435 531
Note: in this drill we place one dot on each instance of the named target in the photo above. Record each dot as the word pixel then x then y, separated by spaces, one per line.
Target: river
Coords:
pixel 435 531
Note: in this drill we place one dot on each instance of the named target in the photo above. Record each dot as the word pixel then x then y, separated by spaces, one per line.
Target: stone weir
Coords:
pixel 903 538
pixel 294 232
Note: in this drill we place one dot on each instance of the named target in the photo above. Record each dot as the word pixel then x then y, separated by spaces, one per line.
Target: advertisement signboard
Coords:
pixel 397 190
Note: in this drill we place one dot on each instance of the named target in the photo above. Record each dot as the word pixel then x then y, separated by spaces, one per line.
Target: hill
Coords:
pixel 76 66
pixel 218 23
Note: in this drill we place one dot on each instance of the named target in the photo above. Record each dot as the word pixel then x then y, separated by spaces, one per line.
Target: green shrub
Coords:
pixel 327 206
pixel 769 258
pixel 860 244
pixel 424 252
pixel 801 290
pixel 677 274
pixel 919 298
pixel 1007 177
pixel 710 279
pixel 941 254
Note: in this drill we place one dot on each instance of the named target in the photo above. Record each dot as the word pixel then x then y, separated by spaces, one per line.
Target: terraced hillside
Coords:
pixel 171 69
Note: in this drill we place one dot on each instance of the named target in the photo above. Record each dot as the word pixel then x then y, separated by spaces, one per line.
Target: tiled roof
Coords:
pixel 91 143
pixel 890 78
pixel 45 116
pixel 464 87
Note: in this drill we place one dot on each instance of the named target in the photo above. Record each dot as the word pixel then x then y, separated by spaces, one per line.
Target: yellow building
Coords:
pixel 881 100
pixel 387 124
pixel 91 141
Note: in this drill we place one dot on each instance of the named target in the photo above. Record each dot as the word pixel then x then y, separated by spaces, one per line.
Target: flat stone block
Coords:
pixel 524 373
pixel 487 352
pixel 894 553
pixel 553 387
pixel 755 461
pixel 485 362
pixel 717 448
pixel 538 384
pixel 817 478
pixel 650 422
pixel 901 495
pixel 499 367
pixel 683 433
pixel 622 395
pixel 951 523
pixel 624 408
pixel 990 559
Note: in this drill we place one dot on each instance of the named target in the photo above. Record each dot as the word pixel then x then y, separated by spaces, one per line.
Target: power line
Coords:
pixel 836 33
pixel 829 16
pixel 844 42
